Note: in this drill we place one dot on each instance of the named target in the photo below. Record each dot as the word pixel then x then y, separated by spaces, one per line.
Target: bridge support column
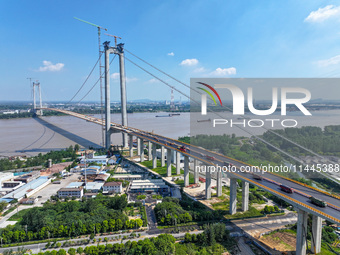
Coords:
pixel 168 162
pixel 149 150
pixel 245 196
pixel 154 156
pixel 162 156
pixel 219 183
pixel 131 145
pixel 108 50
pixel 301 233
pixel 141 150
pixel 138 146
pixel 316 234
pixel 186 171
pixel 120 49
pixel 196 172
pixel 178 162
pixel 208 184
pixel 233 193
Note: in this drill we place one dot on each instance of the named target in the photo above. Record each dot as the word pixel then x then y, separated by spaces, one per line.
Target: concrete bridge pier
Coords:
pixel 245 196
pixel 219 183
pixel 162 156
pixel 154 156
pixel 186 171
pixel 138 146
pixel 208 184
pixel 196 172
pixel 149 150
pixel 141 150
pixel 301 233
pixel 168 162
pixel 316 234
pixel 131 145
pixel 178 162
pixel 233 193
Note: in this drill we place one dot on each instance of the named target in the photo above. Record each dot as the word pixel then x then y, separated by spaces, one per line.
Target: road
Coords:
pixel 270 182
pixel 35 248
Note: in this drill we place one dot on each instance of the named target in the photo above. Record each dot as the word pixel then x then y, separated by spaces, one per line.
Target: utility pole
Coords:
pixel 100 72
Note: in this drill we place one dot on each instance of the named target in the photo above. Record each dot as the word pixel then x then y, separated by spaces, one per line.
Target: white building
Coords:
pixel 112 187
pixel 71 192
pixel 97 159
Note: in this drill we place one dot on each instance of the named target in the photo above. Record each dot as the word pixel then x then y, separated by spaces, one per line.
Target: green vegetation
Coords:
pixel 56 156
pixel 163 171
pixel 173 211
pixel 214 240
pixel 157 197
pixel 141 197
pixel 73 218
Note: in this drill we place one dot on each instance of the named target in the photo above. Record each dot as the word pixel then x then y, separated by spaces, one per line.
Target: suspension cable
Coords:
pixel 95 83
pixel 86 79
pixel 209 109
pixel 226 107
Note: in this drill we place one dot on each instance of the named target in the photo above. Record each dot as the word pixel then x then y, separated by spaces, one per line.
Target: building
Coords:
pixel 101 178
pixel 128 177
pixel 101 160
pixel 26 178
pixel 149 186
pixel 11 184
pixel 71 192
pixel 28 201
pixel 112 187
pixel 93 187
pixel 5 177
pixel 75 184
pixel 92 170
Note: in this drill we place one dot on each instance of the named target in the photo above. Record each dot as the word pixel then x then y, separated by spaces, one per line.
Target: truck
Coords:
pixel 182 148
pixel 318 201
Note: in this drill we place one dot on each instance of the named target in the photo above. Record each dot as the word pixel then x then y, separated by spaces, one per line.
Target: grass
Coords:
pixel 162 170
pixel 10 210
pixel 18 215
pixel 252 212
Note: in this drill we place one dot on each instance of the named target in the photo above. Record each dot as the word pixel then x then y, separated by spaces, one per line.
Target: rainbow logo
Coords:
pixel 209 93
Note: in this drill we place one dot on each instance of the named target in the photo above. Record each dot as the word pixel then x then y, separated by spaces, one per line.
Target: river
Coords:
pixel 30 136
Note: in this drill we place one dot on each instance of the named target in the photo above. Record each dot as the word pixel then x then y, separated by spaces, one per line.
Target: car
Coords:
pixel 210 157
pixel 182 148
pixel 226 164
pixel 39 196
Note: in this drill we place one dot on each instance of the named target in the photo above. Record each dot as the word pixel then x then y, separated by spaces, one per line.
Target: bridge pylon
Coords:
pixel 37 111
pixel 118 50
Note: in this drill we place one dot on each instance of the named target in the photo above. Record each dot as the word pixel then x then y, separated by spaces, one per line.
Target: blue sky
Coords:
pixel 41 39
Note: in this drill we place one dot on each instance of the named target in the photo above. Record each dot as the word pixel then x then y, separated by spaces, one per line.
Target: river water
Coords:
pixel 31 136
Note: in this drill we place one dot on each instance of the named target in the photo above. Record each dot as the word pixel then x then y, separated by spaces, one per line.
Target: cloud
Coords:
pixel 116 76
pixel 200 70
pixel 189 62
pixel 48 66
pixel 171 54
pixel 153 80
pixel 328 62
pixel 223 71
pixel 323 13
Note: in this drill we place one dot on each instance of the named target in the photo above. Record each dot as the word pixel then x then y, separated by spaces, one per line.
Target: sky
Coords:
pixel 188 39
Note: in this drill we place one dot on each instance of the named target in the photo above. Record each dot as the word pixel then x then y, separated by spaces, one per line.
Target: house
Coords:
pixel 112 187
pixel 71 192
pixel 101 177
pixel 28 201
pixel 101 160
pixel 93 187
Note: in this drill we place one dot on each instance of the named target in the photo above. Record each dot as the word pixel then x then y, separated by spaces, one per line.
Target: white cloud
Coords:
pixel 200 70
pixel 116 76
pixel 189 62
pixel 223 71
pixel 323 13
pixel 153 80
pixel 171 54
pixel 48 66
pixel 331 61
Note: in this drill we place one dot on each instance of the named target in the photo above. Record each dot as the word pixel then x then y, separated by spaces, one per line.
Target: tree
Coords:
pixel 71 251
pixel 76 147
pixel 3 205
pixel 80 250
